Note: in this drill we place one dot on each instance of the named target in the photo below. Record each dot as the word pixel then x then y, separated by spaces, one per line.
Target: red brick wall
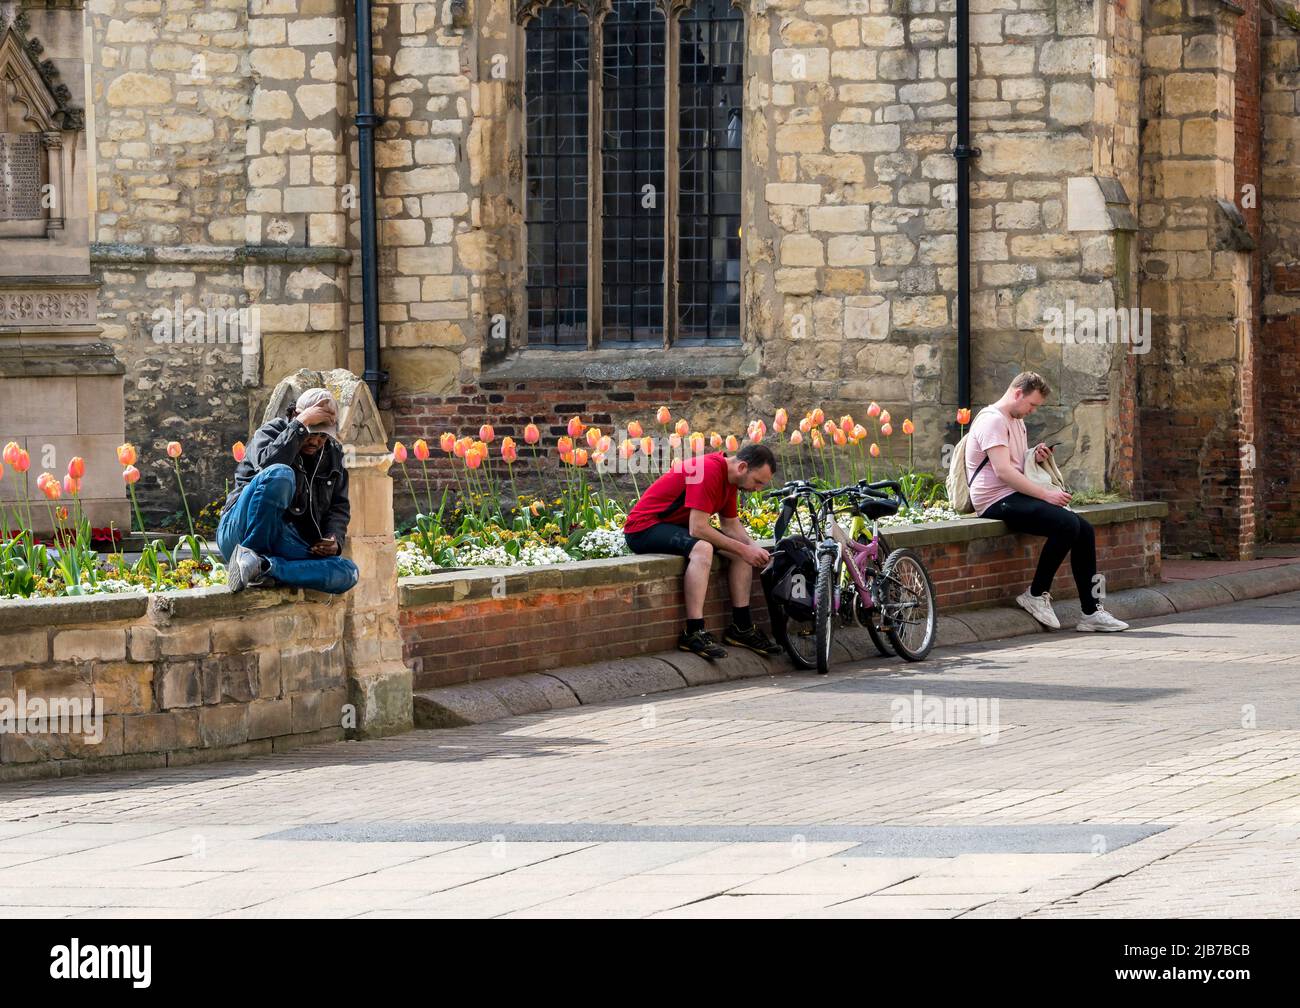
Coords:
pixel 540 630
pixel 509 406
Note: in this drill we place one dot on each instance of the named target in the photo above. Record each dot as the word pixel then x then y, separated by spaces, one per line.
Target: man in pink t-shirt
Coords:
pixel 999 488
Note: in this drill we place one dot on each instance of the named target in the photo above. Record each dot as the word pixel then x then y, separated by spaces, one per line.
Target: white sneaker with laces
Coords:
pixel 1039 607
pixel 1101 622
pixel 245 570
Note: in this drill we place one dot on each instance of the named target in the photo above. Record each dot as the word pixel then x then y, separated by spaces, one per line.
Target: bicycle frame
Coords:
pixel 854 556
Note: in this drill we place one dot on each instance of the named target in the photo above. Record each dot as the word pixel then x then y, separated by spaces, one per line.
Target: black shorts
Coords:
pixel 662 537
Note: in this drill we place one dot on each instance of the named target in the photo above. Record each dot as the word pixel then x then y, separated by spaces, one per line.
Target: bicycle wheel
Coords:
pixel 907 596
pixel 797 637
pixel 824 615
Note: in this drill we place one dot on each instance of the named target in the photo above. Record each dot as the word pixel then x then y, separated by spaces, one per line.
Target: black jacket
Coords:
pixel 320 500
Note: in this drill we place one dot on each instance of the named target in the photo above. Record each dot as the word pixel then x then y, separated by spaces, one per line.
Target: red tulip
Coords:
pixel 173 449
pixel 420 449
pixel 11 452
pixel 23 462
pixel 399 452
pixel 238 451
pixel 130 474
pixel 963 416
pixel 531 434
pixel 77 467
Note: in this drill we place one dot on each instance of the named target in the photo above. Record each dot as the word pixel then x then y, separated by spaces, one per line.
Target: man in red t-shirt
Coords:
pixel 673 515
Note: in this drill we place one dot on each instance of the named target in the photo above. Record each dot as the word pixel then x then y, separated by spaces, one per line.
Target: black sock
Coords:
pixel 694 626
pixel 740 617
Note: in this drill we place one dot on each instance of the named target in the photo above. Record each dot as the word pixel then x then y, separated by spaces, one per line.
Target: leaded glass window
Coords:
pixel 649 253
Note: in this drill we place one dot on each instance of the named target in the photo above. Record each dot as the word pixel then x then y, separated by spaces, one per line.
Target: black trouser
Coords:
pixel 1066 533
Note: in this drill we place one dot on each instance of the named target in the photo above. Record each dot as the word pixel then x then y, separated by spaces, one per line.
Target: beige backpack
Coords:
pixel 957 484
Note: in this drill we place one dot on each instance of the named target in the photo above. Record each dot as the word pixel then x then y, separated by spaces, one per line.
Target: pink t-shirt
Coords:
pixel 992 428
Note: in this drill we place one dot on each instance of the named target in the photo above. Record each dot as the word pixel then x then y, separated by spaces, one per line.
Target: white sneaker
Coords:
pixel 244 570
pixel 1039 607
pixel 1101 622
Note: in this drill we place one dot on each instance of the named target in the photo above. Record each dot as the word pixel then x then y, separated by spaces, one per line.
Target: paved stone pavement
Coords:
pixel 1149 773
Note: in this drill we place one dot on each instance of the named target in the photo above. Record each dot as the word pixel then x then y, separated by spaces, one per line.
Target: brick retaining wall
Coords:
pixel 463 626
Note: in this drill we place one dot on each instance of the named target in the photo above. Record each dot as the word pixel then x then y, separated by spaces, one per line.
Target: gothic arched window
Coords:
pixel 633 171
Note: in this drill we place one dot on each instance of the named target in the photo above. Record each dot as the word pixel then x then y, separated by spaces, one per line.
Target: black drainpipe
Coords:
pixel 366 123
pixel 963 152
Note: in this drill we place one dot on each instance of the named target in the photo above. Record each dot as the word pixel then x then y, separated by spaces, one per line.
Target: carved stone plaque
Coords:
pixel 20 176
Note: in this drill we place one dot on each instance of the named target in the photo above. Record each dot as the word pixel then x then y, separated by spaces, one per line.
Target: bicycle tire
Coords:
pixel 907 563
pixel 824 611
pixel 781 621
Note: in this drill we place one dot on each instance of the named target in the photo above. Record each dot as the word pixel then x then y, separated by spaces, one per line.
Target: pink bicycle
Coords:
pixel 858 578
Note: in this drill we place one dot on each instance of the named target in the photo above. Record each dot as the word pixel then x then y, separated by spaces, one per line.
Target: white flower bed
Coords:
pixel 604 542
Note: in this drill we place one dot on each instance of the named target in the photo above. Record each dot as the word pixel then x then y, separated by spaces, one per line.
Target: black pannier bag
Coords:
pixel 790 578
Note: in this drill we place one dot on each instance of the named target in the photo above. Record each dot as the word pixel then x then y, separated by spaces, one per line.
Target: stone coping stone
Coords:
pixel 190 603
pixel 487 582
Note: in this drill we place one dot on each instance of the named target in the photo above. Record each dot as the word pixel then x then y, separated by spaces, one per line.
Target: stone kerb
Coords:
pixel 379 684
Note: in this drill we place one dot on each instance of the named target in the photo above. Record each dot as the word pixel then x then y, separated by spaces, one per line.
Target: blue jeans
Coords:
pixel 258 521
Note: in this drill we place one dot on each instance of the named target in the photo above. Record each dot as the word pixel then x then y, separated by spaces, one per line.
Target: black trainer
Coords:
pixel 701 643
pixel 753 638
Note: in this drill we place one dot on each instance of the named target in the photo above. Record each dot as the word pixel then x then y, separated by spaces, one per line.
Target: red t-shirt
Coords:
pixel 698 484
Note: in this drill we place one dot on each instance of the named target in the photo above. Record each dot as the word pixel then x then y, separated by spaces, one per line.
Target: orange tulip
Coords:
pixel 828 428
pixel 71 486
pixel 11 452
pixel 238 451
pixel 817 441
pixel 41 480
pixel 473 459
pixel 732 443
pixel 51 489
pixel 886 429
pixel 460 447
pixel 697 443
pixel 173 449
pixel 593 436
pixel 77 467
pixel 130 474
pixel 604 443
pixel 909 427
pixel 508 450
pixel 884 416
pixel 648 445
pixel 399 452
pixel 818 416
pixel 486 434
pixel 61 513
pixel 566 457
pixel 420 449
pixel 627 449
pixel 23 462
pixel 846 423
pixel 531 434
pixel 126 454
pixel 535 508
pixel 663 416
pixel 780 421
pixel 805 424
pixel 564 445
pixel 634 430
pixel 759 432
pixel 675 441
pixel 715 441
pixel 481 448
pixel 859 432
pixel 963 416
pixel 796 438
pixel 447 442
pixel 576 426
pixel 873 410
pixel 580 457
pixel 874 449
pixel 837 435
pixel 683 428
